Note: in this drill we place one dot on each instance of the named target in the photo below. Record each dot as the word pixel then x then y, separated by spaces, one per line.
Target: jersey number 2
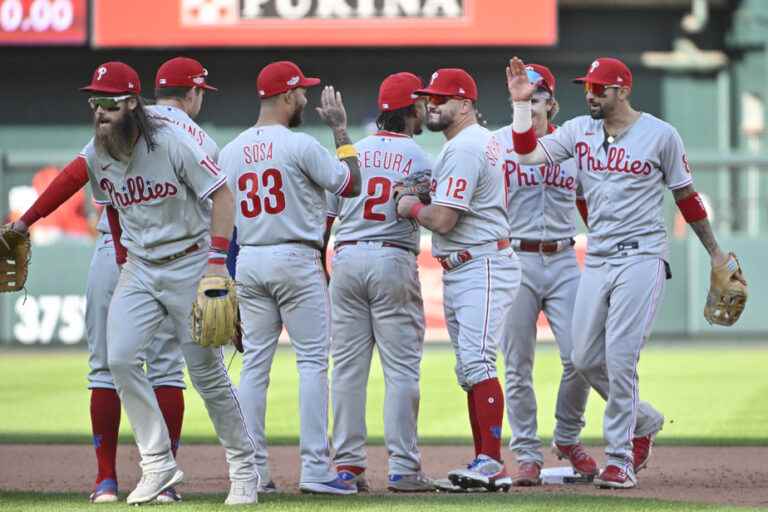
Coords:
pixel 274 200
pixel 379 190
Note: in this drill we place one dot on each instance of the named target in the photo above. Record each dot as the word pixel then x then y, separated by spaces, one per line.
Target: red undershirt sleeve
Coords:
pixel 71 179
pixel 113 218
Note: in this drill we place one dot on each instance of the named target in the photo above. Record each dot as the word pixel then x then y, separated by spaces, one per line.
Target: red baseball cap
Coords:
pixel 283 76
pixel 607 71
pixel 547 78
pixel 398 91
pixel 114 78
pixel 182 72
pixel 451 82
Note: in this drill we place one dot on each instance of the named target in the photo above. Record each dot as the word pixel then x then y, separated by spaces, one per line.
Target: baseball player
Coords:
pixel 468 218
pixel 376 295
pixel 179 87
pixel 280 177
pixel 164 198
pixel 624 158
pixel 542 207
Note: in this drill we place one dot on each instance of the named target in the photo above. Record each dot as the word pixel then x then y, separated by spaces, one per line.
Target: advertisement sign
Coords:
pixel 43 22
pixel 301 23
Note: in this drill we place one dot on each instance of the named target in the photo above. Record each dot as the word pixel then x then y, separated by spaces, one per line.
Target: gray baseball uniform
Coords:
pixel 541 207
pixel 624 277
pixel 477 292
pixel 279 178
pixel 376 300
pixel 162 197
pixel 165 363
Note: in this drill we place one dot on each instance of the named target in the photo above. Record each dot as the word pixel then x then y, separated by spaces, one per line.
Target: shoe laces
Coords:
pixel 578 453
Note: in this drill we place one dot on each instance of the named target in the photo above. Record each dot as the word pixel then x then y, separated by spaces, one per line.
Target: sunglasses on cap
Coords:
pixel 199 79
pixel 437 100
pixel 109 103
pixel 598 90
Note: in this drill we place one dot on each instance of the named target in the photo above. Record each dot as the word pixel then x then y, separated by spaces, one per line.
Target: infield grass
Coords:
pixel 710 394
pixel 37 502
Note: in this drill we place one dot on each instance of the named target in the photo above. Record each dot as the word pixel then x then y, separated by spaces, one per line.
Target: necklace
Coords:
pixel 610 139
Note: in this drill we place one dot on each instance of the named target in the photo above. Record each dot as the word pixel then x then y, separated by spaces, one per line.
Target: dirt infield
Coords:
pixel 734 476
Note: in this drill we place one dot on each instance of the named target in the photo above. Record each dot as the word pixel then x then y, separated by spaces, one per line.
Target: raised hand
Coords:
pixel 520 88
pixel 331 109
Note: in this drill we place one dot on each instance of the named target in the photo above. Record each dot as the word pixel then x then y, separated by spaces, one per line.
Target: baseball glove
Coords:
pixel 417 184
pixel 727 293
pixel 214 313
pixel 15 253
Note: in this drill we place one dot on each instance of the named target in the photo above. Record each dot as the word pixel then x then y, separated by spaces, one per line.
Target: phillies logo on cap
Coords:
pixel 293 81
pixel 101 72
pixel 594 66
pixel 434 77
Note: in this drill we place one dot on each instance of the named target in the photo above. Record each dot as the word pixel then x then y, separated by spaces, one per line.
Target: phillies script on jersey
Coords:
pixel 136 190
pixel 617 161
pixel 535 175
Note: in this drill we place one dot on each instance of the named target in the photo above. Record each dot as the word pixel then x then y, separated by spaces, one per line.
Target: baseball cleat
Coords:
pixel 641 450
pixel 615 477
pixel 482 472
pixel 528 475
pixel 268 488
pixel 168 496
pixel 582 462
pixel 445 485
pixel 356 479
pixel 152 484
pixel 335 486
pixel 416 482
pixel 105 492
pixel 243 492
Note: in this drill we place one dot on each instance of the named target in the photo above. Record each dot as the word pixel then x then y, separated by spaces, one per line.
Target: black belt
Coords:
pixel 172 257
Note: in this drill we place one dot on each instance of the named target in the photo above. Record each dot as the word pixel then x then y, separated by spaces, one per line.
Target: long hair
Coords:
pixel 147 126
pixel 394 120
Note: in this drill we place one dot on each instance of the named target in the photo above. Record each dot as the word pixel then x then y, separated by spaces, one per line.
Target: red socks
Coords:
pixel 105 424
pixel 171 402
pixel 488 410
pixel 473 422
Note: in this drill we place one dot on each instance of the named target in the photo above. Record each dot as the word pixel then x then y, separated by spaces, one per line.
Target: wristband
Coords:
pixel 692 208
pixel 346 151
pixel 415 209
pixel 220 243
pixel 524 142
pixel 217 260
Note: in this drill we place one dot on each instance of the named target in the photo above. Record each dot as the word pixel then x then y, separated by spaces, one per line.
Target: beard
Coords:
pixel 596 112
pixel 440 123
pixel 115 138
pixel 296 118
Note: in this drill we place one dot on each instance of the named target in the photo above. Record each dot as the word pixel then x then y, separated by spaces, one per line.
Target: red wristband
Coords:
pixel 216 260
pixel 692 208
pixel 220 243
pixel 524 142
pixel 415 209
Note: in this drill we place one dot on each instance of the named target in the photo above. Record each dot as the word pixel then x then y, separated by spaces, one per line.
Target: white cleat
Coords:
pixel 152 484
pixel 243 492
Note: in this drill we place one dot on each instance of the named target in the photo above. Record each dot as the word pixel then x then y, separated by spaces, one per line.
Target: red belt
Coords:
pixel 543 246
pixel 361 242
pixel 465 255
pixel 172 257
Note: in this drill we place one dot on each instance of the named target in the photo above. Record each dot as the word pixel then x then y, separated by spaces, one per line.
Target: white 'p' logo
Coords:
pixel 434 77
pixel 101 72
pixel 593 66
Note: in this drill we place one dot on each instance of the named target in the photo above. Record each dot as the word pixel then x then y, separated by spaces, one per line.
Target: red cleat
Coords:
pixel 582 462
pixel 641 450
pixel 615 477
pixel 528 475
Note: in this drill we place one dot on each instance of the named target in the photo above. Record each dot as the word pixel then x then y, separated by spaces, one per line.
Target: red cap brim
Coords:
pixel 429 91
pixel 583 79
pixel 208 87
pixel 309 82
pixel 105 90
